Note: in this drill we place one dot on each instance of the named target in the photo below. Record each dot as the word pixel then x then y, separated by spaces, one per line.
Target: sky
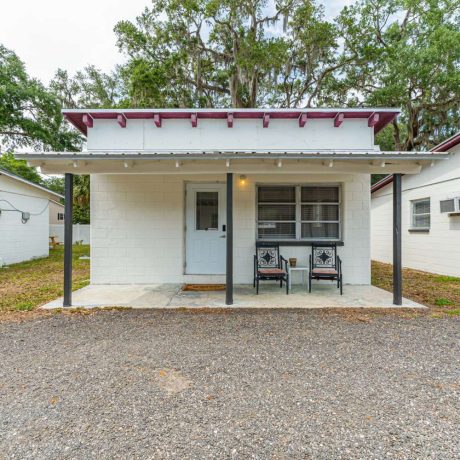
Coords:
pixel 52 34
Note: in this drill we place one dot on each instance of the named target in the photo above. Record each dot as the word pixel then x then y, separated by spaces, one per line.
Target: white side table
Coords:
pixel 298 268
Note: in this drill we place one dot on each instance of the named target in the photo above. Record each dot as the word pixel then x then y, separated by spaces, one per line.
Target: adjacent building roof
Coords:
pixel 32 184
pixel 377 118
pixel 442 147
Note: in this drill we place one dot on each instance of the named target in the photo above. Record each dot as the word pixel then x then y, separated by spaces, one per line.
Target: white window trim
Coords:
pixel 413 214
pixel 298 209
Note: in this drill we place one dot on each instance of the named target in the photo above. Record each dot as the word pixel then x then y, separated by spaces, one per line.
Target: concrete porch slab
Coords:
pixel 270 296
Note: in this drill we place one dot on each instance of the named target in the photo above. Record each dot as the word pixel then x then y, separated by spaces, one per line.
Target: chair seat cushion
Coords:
pixel 324 271
pixel 271 271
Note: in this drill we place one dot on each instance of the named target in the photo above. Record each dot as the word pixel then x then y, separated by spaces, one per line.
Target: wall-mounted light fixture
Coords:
pixel 243 179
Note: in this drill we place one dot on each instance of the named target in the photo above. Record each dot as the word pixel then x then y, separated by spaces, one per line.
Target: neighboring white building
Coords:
pixel 24 219
pixel 159 179
pixel 430 216
pixel 56 213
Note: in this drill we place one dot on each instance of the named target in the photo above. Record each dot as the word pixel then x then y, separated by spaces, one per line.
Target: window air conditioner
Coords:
pixel 450 206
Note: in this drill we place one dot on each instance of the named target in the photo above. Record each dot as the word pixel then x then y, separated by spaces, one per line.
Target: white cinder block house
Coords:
pixel 24 219
pixel 430 215
pixel 182 195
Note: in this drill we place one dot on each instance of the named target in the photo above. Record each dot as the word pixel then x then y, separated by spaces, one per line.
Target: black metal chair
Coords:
pixel 325 264
pixel 268 265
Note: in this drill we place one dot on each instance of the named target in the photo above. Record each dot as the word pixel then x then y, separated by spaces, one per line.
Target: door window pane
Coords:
pixel 207 210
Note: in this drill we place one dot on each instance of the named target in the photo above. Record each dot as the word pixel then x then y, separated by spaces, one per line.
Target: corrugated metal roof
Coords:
pixel 256 154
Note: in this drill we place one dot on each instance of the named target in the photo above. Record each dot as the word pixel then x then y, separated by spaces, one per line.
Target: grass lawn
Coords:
pixel 27 285
pixel 440 293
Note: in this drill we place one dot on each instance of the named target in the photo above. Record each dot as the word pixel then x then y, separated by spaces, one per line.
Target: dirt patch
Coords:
pixel 440 293
pixel 171 381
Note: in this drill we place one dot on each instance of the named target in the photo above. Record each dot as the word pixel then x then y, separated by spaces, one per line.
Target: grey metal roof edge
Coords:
pixel 234 109
pixel 174 155
pixel 28 182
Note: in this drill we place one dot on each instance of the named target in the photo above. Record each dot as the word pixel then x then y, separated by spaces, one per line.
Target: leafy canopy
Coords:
pixel 30 116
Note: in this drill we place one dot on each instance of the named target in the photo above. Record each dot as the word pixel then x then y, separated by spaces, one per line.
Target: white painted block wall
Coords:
pixel 137 226
pixel 245 135
pixel 18 241
pixel 437 251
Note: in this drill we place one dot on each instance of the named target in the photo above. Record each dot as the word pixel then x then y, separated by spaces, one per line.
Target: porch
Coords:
pixel 156 218
pixel 172 296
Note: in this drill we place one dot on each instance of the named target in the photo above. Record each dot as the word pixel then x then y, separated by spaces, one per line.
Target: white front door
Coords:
pixel 205 222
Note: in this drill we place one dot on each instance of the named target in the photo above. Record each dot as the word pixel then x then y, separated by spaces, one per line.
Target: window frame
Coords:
pixel 298 211
pixel 60 214
pixel 413 214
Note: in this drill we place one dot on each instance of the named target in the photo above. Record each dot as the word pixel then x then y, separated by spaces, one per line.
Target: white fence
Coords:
pixel 80 233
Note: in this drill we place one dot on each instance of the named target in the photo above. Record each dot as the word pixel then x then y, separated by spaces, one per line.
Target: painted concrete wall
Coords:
pixel 56 208
pixel 245 135
pixel 152 250
pixel 437 251
pixel 18 241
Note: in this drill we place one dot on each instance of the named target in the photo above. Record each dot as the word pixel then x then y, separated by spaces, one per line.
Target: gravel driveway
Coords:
pixel 235 384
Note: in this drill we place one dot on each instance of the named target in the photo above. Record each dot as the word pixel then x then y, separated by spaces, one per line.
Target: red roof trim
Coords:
pixel 442 147
pixel 447 144
pixel 76 117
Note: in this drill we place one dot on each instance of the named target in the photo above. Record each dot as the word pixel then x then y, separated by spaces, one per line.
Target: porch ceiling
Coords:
pixel 212 162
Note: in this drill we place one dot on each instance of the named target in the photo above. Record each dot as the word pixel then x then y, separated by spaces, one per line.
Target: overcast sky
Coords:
pixel 47 34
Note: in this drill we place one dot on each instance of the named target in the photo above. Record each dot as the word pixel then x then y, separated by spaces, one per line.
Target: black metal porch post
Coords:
pixel 229 269
pixel 68 240
pixel 397 267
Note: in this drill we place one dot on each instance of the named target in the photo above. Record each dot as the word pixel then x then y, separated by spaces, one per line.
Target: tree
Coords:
pixel 30 116
pixel 221 53
pixel 19 168
pixel 81 199
pixel 406 54
pixel 89 88
pixel 55 183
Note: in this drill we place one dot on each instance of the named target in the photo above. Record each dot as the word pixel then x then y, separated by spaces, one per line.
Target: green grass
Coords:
pixel 455 312
pixel 446 279
pixel 28 285
pixel 442 302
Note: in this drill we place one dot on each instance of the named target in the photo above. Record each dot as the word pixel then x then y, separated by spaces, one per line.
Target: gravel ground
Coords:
pixel 235 384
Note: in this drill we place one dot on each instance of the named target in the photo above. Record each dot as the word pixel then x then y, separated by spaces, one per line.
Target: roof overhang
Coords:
pixel 377 118
pixel 443 147
pixel 212 162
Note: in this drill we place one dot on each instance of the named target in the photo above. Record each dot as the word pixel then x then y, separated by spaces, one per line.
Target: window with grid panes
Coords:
pixel 421 213
pixel 298 212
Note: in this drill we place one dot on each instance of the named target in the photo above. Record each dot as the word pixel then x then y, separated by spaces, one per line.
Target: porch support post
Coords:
pixel 229 269
pixel 397 267
pixel 68 240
